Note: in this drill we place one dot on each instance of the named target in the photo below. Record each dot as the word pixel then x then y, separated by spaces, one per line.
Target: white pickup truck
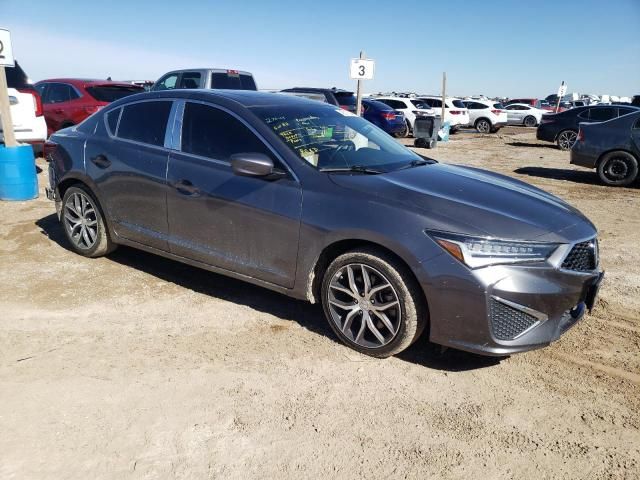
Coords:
pixel 26 109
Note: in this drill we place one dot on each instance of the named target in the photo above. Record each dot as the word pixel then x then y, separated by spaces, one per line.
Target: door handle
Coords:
pixel 185 187
pixel 101 161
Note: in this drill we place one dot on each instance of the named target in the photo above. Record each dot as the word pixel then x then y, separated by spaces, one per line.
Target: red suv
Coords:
pixel 68 101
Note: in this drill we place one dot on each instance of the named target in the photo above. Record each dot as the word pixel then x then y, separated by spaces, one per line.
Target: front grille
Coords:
pixel 582 257
pixel 508 322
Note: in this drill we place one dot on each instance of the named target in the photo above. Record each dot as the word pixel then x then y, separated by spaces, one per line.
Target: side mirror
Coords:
pixel 252 164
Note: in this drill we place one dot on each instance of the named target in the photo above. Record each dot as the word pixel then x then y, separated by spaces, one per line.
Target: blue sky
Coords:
pixel 506 48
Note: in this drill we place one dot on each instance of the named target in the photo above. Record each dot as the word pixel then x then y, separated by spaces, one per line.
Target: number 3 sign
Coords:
pixel 362 69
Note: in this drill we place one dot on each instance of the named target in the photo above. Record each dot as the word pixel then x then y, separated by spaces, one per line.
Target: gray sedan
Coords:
pixel 316 203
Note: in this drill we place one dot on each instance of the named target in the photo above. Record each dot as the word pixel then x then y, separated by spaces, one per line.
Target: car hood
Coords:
pixel 472 201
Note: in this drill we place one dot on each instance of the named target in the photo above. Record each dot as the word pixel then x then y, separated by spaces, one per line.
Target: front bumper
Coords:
pixel 504 309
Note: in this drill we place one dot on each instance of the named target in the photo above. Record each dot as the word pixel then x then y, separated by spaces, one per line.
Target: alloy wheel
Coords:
pixel 81 221
pixel 530 121
pixel 566 139
pixel 364 306
pixel 483 126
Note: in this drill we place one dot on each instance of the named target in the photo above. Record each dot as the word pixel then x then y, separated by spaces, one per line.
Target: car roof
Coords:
pixel 207 69
pixel 316 90
pixel 521 104
pixel 246 98
pixel 86 82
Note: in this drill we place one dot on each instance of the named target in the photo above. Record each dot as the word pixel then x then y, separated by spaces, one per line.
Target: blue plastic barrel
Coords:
pixel 443 134
pixel 18 180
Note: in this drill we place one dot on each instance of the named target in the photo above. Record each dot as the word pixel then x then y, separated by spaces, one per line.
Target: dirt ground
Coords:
pixel 134 366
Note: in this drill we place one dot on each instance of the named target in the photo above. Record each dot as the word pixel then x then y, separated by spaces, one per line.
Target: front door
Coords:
pixel 128 162
pixel 243 224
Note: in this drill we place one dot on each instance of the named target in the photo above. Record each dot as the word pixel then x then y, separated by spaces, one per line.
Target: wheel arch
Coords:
pixel 336 248
pixel 77 179
pixel 482 118
pixel 555 138
pixel 611 150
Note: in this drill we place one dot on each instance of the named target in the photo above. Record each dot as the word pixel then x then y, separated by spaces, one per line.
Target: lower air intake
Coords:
pixel 507 322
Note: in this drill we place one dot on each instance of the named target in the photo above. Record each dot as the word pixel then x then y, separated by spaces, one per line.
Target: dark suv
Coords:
pixel 334 96
pixel 562 127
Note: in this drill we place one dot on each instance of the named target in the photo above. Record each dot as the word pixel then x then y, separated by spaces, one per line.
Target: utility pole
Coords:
pixel 5 112
pixel 444 91
pixel 359 91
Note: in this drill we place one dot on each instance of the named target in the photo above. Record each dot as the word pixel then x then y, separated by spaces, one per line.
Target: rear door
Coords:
pixel 57 105
pixel 635 134
pixel 242 224
pixel 128 161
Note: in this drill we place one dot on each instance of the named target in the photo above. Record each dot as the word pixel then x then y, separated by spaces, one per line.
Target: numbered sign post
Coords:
pixel 361 69
pixel 6 60
pixel 562 91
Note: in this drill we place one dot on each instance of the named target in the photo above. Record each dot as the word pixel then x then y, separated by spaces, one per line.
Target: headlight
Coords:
pixel 478 252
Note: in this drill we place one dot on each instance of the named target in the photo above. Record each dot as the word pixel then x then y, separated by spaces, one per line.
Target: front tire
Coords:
pixel 373 303
pixel 618 169
pixel 84 224
pixel 530 121
pixel 566 139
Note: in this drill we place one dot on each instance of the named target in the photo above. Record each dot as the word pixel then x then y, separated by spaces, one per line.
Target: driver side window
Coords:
pixel 210 132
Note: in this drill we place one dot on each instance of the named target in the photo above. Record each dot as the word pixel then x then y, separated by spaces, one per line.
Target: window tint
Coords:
pixel 210 132
pixel 167 83
pixel 584 115
pixel 623 111
pixel 394 103
pixel 231 80
pixel 40 88
pixel 112 120
pixel 602 114
pixel 499 106
pixel 636 126
pixel 434 102
pixel 458 103
pixel 190 80
pixel 111 93
pixel 145 122
pixel 60 92
pixel 345 98
pixel 420 104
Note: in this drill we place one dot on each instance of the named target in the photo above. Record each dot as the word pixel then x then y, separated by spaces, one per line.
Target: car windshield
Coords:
pixel 331 138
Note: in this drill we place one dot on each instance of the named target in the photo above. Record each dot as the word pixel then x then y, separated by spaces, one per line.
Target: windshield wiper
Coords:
pixel 416 163
pixel 352 168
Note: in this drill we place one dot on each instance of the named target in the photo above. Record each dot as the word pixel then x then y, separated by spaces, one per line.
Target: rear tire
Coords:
pixel 483 125
pixel 404 133
pixel 618 169
pixel 373 303
pixel 83 223
pixel 566 139
pixel 530 121
pixel 421 143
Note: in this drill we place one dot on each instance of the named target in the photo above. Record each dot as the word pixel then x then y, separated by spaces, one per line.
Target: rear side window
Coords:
pixel 60 92
pixel 190 80
pixel 623 111
pixel 112 120
pixel 458 103
pixel 602 114
pixel 345 98
pixel 145 122
pixel 210 132
pixel 111 93
pixel 232 80
pixel 434 102
pixel 394 103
